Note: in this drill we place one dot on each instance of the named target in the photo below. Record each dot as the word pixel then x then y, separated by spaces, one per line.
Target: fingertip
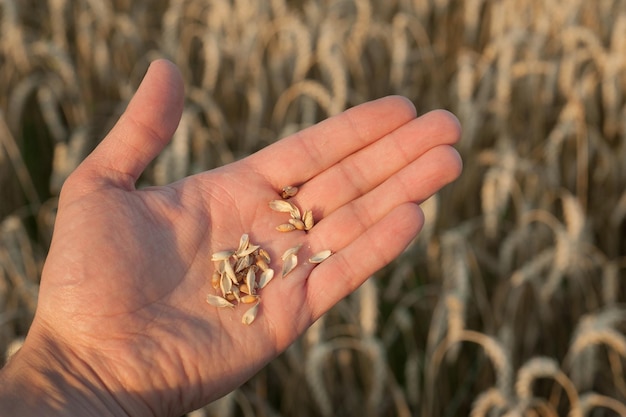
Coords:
pixel 162 80
pixel 457 163
pixel 413 218
pixel 170 73
pixel 445 122
pixel 404 104
pixel 392 112
pixel 316 148
pixel 144 129
pixel 419 214
pixel 444 165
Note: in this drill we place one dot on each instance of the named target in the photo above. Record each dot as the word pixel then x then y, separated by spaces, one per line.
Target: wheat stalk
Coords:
pixel 543 367
pixel 331 61
pixel 16 258
pixel 539 88
pixel 368 308
pixel 591 400
pixel 493 350
pixel 15 157
pixel 13 39
pixel 315 379
pixel 591 331
pixel 309 88
pixel 371 348
pixel 490 400
pixel 173 162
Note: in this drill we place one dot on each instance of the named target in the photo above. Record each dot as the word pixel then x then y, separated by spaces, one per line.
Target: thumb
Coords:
pixel 144 129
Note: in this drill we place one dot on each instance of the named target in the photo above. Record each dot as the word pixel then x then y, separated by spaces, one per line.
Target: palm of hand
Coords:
pixel 129 270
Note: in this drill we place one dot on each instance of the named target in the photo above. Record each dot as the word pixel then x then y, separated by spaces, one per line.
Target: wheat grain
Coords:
pixel 320 257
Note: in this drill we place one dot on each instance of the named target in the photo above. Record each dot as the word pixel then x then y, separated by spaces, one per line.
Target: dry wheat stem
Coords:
pixel 540 90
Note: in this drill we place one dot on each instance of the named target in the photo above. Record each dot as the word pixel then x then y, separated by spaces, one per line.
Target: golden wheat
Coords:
pixel 523 256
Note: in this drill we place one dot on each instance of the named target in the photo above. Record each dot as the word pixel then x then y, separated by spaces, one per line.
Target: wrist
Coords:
pixel 44 379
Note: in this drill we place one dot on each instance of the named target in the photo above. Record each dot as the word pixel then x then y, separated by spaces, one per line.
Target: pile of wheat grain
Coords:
pixel 511 302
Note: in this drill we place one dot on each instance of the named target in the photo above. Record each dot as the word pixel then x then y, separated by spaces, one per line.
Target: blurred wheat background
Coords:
pixel 512 300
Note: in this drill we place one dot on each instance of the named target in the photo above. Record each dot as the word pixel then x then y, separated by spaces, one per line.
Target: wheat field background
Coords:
pixel 512 300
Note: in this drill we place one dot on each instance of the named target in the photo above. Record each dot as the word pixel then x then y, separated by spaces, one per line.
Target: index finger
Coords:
pixel 301 156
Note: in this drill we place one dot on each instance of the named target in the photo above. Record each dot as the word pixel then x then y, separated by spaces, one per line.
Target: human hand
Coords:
pixel 122 325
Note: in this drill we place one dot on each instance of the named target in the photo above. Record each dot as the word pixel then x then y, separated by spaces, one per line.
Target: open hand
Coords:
pixel 122 308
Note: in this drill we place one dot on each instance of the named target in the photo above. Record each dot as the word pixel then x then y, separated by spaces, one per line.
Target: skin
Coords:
pixel 122 325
